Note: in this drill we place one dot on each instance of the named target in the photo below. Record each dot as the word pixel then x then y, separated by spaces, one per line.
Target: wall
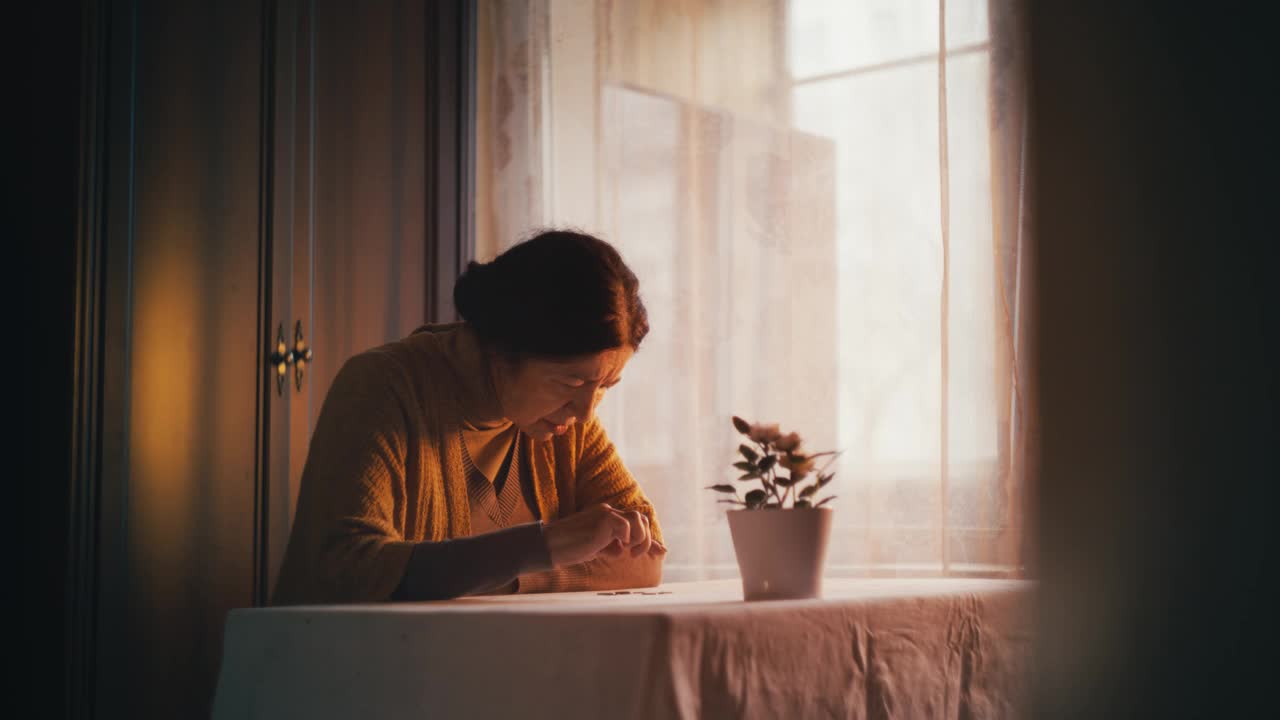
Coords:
pixel 1154 151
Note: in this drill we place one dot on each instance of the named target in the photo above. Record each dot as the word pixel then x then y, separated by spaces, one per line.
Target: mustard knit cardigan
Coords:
pixel 384 471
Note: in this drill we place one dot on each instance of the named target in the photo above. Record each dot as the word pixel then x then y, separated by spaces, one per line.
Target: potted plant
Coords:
pixel 780 529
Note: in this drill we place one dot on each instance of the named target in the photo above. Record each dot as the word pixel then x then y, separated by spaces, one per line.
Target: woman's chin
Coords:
pixel 539 431
pixel 544 430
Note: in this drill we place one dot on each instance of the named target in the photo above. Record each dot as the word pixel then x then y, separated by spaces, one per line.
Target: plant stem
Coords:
pixel 773 474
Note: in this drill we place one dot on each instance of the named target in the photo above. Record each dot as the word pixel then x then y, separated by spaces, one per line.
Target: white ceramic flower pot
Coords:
pixel 781 552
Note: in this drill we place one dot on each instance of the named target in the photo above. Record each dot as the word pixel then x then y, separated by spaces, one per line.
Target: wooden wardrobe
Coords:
pixel 267 188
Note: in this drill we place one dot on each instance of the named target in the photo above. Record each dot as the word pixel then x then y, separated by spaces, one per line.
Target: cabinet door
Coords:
pixel 177 500
pixel 349 236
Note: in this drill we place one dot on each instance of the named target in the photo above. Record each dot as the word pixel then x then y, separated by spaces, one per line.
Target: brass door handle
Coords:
pixel 280 359
pixel 283 356
pixel 301 356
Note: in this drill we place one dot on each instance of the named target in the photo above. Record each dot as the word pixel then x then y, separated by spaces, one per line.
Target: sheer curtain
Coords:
pixel 823 201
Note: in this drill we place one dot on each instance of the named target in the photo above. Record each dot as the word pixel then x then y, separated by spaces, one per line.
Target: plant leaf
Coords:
pixel 824 478
pixel 767 462
pixel 801 504
pixel 755 497
pixel 824 501
pixel 741 425
pixel 785 480
pixel 809 491
pixel 750 476
pixel 748 453
pixel 834 455
pixel 723 488
pixel 745 466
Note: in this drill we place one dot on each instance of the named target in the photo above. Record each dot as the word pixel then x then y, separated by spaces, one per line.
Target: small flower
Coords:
pixel 788 443
pixel 799 465
pixel 765 433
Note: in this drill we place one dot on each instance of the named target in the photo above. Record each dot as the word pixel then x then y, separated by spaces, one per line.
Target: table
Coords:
pixel 883 648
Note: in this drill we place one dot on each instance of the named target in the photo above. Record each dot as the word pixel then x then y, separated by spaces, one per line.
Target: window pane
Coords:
pixel 829 36
pixel 885 127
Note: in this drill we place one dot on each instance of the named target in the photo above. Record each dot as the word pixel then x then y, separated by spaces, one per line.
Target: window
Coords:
pixel 776 173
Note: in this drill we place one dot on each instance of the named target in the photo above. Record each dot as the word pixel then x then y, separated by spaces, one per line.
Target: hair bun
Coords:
pixel 473 294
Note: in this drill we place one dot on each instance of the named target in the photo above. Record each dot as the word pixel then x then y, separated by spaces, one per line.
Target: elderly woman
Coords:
pixel 465 458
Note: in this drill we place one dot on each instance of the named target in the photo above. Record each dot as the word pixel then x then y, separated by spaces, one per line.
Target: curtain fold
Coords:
pixel 1013 247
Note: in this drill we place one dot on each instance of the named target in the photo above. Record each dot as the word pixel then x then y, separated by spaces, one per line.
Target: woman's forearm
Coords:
pixel 597 574
pixel 464 566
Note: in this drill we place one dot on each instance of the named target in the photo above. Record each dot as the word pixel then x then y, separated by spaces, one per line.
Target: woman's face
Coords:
pixel 546 397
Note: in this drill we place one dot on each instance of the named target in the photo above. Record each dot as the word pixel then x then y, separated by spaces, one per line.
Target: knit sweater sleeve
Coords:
pixel 601 477
pixel 347 543
pixel 471 565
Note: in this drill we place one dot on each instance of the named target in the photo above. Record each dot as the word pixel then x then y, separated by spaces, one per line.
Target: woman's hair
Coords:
pixel 559 293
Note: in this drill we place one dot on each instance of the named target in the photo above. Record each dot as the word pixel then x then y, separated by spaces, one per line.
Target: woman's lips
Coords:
pixel 558 428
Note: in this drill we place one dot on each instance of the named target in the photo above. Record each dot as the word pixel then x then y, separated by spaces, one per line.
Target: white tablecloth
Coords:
pixel 879 648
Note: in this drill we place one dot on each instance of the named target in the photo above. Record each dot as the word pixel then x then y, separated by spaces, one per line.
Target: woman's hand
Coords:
pixel 599 530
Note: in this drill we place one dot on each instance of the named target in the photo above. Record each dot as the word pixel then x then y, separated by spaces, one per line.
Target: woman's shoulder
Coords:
pixel 374 372
pixel 394 375
pixel 438 328
pixel 409 352
pixel 395 365
pixel 421 365
pixel 432 341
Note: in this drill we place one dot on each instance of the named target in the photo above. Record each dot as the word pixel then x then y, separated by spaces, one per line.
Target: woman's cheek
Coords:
pixel 543 405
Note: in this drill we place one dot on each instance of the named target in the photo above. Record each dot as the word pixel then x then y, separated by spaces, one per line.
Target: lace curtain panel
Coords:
pixel 824 202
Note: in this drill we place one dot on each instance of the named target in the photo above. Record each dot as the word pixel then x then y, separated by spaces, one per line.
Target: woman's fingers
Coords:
pixel 641 543
pixel 600 530
pixel 639 536
pixel 614 549
pixel 619 528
